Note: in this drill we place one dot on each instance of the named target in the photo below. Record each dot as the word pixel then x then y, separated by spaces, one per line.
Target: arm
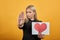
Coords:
pixel 21 21
pixel 40 35
pixel 20 26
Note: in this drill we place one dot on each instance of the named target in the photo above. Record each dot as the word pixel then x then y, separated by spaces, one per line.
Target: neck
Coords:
pixel 32 19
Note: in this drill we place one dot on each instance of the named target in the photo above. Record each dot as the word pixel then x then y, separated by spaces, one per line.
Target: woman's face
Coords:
pixel 29 13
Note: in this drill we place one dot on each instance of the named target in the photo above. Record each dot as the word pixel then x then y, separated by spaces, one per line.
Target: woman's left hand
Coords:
pixel 40 35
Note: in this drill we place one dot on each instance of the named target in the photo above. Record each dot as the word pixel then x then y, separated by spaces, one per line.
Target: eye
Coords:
pixel 28 12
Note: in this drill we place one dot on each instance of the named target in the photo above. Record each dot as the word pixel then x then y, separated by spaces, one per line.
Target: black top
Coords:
pixel 27 31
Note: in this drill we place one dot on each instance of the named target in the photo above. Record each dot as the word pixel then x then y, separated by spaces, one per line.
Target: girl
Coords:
pixel 26 24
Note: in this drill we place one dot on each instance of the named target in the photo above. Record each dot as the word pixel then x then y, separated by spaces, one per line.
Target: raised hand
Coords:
pixel 21 19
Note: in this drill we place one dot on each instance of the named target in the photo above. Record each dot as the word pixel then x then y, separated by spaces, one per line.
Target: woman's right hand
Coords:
pixel 21 19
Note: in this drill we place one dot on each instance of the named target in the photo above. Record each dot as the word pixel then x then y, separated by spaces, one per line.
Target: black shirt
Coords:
pixel 27 31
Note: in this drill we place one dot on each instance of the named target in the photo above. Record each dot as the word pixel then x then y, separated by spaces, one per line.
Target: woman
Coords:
pixel 25 24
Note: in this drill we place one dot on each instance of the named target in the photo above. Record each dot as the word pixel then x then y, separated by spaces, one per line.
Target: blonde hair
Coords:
pixel 33 9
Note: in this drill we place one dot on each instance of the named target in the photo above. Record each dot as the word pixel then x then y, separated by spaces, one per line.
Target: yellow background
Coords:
pixel 47 11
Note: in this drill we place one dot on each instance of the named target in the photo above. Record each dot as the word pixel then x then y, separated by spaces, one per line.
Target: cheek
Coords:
pixel 29 14
pixel 32 14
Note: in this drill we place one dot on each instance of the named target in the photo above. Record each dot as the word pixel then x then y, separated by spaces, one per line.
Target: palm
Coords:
pixel 21 18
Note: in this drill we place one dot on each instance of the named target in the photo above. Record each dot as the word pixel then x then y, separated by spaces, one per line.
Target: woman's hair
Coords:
pixel 33 9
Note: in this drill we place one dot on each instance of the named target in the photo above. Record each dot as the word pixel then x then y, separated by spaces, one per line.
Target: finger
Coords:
pixel 21 15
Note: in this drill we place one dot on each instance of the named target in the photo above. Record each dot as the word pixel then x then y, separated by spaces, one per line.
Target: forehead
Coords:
pixel 28 9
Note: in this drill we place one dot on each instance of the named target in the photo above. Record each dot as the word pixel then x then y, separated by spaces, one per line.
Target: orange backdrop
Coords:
pixel 47 11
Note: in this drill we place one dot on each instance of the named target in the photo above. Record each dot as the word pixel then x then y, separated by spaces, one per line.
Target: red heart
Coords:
pixel 40 27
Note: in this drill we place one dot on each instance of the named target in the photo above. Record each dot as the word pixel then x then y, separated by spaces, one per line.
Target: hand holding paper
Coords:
pixel 42 27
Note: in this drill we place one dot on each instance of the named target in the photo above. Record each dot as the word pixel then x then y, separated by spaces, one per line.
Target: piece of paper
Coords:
pixel 43 27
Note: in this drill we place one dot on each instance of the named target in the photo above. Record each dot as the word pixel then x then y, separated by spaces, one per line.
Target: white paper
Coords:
pixel 46 32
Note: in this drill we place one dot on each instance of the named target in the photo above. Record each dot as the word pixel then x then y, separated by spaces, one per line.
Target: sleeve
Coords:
pixel 36 37
pixel 22 26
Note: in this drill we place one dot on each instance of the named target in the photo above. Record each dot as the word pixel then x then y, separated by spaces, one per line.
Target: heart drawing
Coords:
pixel 40 27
